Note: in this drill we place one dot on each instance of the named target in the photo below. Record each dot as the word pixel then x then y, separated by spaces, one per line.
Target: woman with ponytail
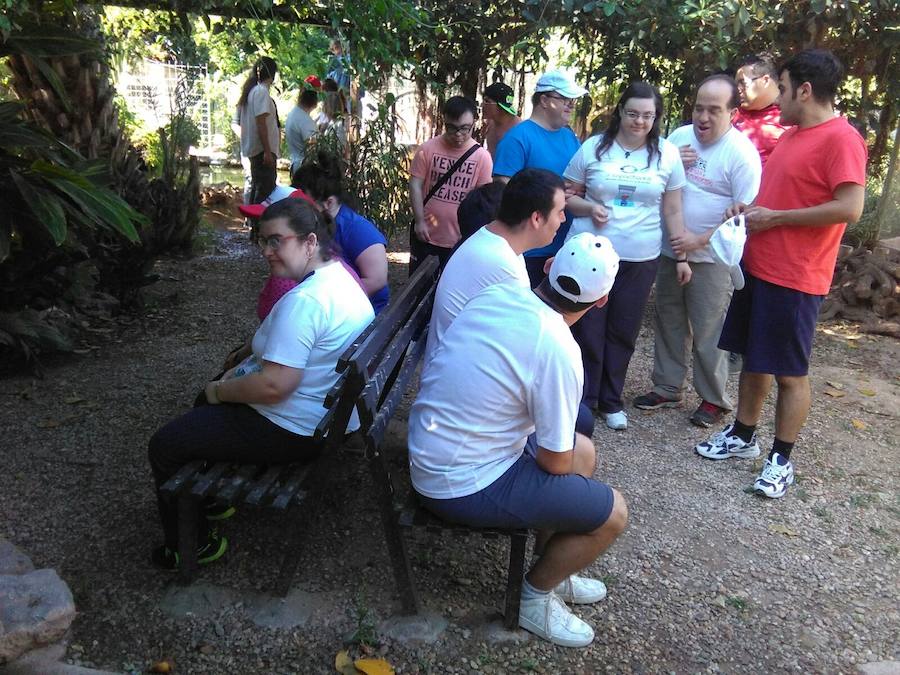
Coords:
pixel 260 139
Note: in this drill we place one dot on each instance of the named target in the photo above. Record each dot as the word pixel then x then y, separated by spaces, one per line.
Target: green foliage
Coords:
pixel 50 187
pixel 378 168
pixel 180 133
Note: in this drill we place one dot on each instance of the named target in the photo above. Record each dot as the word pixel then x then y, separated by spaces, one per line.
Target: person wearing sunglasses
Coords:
pixel 543 141
pixel 759 117
pixel 267 407
pixel 633 180
pixel 444 170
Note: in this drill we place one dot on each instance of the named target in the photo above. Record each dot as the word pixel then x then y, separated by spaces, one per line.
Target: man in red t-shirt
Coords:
pixel 811 186
pixel 436 228
pixel 759 117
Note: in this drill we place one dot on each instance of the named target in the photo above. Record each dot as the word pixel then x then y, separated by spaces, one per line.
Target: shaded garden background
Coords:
pixel 86 211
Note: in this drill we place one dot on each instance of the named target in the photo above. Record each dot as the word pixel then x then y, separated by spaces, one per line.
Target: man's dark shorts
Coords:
pixel 526 496
pixel 772 326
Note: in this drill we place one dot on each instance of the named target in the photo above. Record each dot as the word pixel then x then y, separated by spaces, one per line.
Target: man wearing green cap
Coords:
pixel 498 111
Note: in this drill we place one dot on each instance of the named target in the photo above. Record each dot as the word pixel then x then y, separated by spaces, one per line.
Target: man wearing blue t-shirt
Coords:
pixel 544 141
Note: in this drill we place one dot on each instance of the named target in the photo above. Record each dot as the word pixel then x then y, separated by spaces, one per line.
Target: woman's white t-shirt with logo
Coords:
pixel 631 189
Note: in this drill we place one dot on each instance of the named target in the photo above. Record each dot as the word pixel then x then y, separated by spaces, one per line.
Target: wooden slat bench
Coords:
pixel 387 362
pixel 280 486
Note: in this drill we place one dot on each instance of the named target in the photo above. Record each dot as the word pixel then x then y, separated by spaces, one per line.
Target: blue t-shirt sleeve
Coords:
pixel 354 234
pixel 511 156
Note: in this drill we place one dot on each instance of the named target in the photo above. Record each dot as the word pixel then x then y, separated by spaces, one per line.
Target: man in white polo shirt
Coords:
pixel 492 440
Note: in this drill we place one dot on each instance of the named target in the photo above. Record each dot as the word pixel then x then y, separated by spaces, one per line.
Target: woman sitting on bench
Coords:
pixel 268 406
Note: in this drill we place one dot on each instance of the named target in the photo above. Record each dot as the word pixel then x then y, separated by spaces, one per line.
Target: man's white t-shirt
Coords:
pixel 506 367
pixel 632 192
pixel 725 172
pixel 481 260
pixel 309 328
pixel 299 127
pixel 258 103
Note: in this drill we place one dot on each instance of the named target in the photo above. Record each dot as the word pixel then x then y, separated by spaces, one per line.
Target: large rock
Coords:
pixel 12 560
pixel 36 609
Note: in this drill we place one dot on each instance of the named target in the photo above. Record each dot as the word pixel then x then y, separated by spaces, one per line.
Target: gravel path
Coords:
pixel 707 578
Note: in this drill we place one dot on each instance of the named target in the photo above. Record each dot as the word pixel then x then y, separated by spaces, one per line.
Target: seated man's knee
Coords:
pixel 618 518
pixel 585 456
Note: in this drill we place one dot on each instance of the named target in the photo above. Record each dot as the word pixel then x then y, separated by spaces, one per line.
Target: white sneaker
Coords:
pixel 580 590
pixel 549 618
pixel 616 420
pixel 775 478
pixel 725 444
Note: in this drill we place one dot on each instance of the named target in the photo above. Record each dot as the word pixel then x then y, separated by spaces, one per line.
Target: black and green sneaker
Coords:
pixel 217 512
pixel 165 558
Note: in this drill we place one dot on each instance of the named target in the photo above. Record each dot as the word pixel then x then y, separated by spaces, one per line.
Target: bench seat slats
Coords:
pixel 258 489
pixel 183 477
pixel 415 515
pixel 235 483
pixel 204 483
pixel 290 488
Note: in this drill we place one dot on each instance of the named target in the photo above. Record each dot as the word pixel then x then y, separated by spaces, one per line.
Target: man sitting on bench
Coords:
pixel 492 440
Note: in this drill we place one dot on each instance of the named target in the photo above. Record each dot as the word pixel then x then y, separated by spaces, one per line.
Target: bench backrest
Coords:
pixel 372 362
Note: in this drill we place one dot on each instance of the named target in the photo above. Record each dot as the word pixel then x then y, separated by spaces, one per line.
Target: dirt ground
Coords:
pixel 707 578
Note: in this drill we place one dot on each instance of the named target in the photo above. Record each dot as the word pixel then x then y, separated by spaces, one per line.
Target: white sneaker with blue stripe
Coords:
pixel 777 474
pixel 725 444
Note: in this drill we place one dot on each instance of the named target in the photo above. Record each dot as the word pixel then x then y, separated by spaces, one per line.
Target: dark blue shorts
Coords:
pixel 772 326
pixel 526 496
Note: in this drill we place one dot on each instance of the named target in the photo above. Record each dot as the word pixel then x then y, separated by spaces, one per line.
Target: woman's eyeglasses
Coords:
pixel 634 116
pixel 273 241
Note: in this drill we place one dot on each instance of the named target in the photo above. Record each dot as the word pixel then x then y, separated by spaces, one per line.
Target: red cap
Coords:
pixel 313 81
pixel 256 210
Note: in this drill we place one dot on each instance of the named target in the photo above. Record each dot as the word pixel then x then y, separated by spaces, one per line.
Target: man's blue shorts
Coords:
pixel 772 326
pixel 526 496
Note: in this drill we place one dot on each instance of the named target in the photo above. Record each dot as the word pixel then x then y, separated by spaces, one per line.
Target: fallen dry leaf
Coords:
pixel 206 649
pixel 344 664
pixel 374 666
pixel 858 424
pixel 779 528
pixel 72 400
pixel 834 393
pixel 834 385
pixel 866 392
pixel 164 666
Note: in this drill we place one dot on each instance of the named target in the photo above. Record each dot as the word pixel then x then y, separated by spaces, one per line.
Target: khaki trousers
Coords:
pixel 688 319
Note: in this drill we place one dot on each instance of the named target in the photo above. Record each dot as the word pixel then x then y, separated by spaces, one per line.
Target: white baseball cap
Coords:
pixel 561 83
pixel 727 247
pixel 583 271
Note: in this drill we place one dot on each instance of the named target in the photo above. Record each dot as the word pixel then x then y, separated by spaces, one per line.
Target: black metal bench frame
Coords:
pixel 385 364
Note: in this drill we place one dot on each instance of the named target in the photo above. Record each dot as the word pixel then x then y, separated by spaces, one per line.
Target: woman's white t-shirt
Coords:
pixel 632 192
pixel 309 328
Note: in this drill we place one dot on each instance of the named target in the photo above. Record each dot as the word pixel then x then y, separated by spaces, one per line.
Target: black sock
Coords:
pixel 783 448
pixel 742 431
